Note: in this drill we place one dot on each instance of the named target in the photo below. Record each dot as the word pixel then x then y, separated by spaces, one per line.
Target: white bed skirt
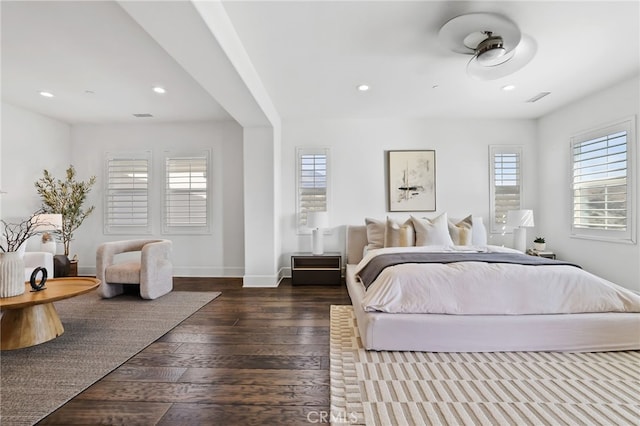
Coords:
pixel 589 332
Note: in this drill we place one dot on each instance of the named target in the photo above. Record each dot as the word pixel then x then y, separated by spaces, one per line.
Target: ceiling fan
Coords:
pixel 497 46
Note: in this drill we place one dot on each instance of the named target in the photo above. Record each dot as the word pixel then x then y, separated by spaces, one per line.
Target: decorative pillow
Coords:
pixel 461 232
pixel 398 234
pixel 375 233
pixel 479 233
pixel 432 232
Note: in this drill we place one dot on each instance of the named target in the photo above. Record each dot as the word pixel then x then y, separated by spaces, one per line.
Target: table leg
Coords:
pixel 21 328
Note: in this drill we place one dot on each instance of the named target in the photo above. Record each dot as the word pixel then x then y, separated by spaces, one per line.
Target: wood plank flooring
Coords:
pixel 252 356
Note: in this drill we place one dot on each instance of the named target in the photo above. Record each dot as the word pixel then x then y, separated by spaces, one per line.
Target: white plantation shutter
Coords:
pixel 312 183
pixel 506 184
pixel 186 203
pixel 127 193
pixel 601 185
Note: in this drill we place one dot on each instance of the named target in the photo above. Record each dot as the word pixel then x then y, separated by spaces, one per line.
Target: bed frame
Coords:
pixel 589 332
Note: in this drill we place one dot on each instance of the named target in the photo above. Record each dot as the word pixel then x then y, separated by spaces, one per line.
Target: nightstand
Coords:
pixel 321 269
pixel 546 254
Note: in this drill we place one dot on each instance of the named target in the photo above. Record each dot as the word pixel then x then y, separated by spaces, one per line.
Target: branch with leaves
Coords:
pixel 16 234
pixel 66 197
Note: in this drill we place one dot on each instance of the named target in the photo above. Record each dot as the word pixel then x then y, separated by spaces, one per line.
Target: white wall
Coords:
pixel 219 254
pixel 617 262
pixel 357 167
pixel 30 143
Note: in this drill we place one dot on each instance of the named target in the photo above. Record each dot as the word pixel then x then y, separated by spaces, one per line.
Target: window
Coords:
pixel 506 184
pixel 127 193
pixel 312 183
pixel 186 205
pixel 601 183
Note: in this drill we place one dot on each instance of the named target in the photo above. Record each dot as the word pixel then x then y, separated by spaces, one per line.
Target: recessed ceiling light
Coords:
pixel 46 94
pixel 435 86
pixel 508 87
pixel 159 89
pixel 363 87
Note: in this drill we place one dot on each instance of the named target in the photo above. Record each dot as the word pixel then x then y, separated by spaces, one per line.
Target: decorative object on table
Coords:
pixel 318 221
pixel 539 244
pixel 12 243
pixel 37 286
pixel 65 198
pixel 411 181
pixel 11 274
pixel 520 220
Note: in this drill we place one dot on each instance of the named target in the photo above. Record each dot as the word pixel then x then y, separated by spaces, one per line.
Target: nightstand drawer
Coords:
pixel 316 269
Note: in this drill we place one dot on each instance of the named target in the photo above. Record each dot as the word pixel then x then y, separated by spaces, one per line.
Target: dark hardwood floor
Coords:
pixel 250 357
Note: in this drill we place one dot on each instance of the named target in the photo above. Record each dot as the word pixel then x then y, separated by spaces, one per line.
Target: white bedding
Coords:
pixel 478 288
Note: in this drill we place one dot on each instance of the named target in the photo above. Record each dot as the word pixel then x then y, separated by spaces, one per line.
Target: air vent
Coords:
pixel 538 96
pixel 145 115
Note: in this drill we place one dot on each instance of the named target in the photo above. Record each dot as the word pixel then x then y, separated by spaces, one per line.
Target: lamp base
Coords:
pixel 520 239
pixel 317 236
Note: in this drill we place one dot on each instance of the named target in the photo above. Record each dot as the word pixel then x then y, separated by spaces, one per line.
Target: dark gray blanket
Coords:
pixel 370 272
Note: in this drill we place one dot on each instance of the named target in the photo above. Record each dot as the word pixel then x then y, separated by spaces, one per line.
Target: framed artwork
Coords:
pixel 411 181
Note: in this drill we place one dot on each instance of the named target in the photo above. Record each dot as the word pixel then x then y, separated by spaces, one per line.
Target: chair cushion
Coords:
pixel 123 273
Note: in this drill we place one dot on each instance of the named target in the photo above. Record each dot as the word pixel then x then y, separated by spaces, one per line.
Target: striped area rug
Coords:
pixel 499 388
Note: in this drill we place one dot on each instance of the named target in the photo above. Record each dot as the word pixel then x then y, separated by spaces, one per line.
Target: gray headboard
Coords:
pixel 356 241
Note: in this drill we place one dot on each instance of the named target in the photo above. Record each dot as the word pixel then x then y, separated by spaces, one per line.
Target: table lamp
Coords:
pixel 43 223
pixel 317 221
pixel 520 220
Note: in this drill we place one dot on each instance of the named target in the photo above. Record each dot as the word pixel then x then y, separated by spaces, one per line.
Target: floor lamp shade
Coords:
pixel 520 220
pixel 317 221
pixel 47 222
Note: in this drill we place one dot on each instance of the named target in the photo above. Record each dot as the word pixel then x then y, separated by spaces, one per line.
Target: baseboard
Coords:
pixel 269 281
pixel 231 272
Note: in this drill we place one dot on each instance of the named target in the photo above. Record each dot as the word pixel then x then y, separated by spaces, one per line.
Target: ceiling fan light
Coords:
pixel 489 57
pixel 490 51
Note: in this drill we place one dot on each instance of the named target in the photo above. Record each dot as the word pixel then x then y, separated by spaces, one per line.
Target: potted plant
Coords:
pixel 12 242
pixel 539 244
pixel 65 197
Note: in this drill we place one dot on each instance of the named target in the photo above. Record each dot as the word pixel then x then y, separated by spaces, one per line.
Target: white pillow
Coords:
pixel 375 233
pixel 461 232
pixel 479 233
pixel 432 232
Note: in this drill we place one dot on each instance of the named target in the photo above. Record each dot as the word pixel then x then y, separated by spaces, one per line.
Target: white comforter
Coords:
pixel 477 288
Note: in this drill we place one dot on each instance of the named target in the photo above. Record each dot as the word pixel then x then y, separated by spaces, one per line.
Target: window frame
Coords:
pixel 186 229
pixel 494 150
pixel 301 228
pixel 131 228
pixel 610 235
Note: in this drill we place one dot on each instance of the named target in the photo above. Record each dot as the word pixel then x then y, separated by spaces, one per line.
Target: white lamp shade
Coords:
pixel 317 220
pixel 47 222
pixel 520 218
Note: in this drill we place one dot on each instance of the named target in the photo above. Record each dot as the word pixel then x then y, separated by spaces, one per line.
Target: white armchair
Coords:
pixel 33 259
pixel 153 272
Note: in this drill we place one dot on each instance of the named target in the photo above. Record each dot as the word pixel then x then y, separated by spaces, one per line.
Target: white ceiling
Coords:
pixel 68 48
pixel 310 56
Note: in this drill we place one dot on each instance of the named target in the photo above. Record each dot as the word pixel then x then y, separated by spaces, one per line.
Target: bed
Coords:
pixel 446 330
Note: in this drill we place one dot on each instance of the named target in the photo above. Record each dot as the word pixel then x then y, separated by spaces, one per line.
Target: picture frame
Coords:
pixel 411 181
